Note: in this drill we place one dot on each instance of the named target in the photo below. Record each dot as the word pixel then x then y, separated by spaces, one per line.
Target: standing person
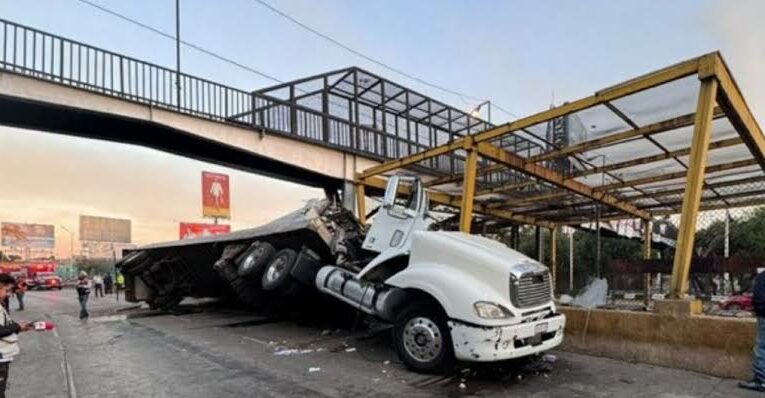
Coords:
pixel 21 289
pixel 120 284
pixel 9 330
pixel 108 283
pixel 98 283
pixel 758 361
pixel 83 292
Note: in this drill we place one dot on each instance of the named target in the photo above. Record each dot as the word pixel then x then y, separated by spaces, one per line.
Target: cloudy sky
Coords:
pixel 522 55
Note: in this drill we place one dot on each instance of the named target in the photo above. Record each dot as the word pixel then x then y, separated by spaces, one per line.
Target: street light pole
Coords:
pixel 178 53
pixel 71 245
pixel 477 110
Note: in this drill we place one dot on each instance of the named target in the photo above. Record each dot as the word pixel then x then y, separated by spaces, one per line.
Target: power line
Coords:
pixel 272 78
pixel 188 44
pixel 362 55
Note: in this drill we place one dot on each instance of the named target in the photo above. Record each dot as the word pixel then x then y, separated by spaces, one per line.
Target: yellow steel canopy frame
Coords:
pixel 718 97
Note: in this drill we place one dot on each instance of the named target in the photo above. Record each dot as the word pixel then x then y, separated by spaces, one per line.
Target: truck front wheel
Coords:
pixel 422 338
pixel 276 276
pixel 255 259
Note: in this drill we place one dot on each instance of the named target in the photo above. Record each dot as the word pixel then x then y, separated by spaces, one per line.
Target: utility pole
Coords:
pixel 71 245
pixel 178 53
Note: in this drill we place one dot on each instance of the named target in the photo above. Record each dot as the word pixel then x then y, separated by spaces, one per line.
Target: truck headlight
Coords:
pixel 487 310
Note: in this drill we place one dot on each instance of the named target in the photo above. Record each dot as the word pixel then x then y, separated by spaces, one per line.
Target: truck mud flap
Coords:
pixel 306 267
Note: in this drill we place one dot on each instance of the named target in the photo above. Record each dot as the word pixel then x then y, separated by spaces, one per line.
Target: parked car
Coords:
pixel 738 303
pixel 47 281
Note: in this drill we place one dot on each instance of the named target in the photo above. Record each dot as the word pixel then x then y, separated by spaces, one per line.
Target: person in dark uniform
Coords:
pixel 9 332
pixel 758 361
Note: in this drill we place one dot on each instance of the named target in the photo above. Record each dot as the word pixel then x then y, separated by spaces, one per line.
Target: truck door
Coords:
pixel 394 223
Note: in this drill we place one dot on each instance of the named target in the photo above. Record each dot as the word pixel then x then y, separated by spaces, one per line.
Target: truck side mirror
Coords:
pixel 390 193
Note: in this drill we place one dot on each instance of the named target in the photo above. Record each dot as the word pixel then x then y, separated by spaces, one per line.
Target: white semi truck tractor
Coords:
pixel 449 295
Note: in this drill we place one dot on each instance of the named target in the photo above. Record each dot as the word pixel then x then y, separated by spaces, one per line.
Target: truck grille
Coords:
pixel 530 290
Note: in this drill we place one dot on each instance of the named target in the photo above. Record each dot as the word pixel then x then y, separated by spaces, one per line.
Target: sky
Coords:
pixel 522 55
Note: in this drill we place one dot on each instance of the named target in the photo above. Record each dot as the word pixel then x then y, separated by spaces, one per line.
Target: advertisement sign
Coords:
pixel 194 230
pixel 37 236
pixel 215 195
pixel 104 229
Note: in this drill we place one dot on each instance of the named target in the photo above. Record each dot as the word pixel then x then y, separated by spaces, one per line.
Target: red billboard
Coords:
pixel 215 195
pixel 194 230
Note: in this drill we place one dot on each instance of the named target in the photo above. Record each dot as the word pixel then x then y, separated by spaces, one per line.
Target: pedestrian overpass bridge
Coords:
pixel 318 131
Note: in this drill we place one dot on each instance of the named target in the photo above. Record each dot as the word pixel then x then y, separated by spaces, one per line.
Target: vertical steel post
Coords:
pixel 325 110
pixel 468 187
pixel 647 255
pixel 361 203
pixel 694 187
pixel 554 256
pixel 538 243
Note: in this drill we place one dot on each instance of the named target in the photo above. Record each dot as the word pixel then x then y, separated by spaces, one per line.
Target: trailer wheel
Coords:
pixel 276 276
pixel 254 260
pixel 422 338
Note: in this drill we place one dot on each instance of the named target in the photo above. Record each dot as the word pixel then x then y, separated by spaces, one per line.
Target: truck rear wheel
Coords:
pixel 276 276
pixel 255 259
pixel 422 338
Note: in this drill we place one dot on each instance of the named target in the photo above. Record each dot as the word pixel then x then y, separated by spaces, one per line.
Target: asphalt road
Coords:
pixel 224 352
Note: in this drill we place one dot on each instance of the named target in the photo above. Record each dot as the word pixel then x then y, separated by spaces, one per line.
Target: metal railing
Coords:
pixel 31 52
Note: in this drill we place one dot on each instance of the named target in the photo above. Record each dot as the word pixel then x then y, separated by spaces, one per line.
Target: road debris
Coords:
pixel 312 370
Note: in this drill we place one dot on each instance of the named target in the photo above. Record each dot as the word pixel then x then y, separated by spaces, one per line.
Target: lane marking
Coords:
pixel 255 340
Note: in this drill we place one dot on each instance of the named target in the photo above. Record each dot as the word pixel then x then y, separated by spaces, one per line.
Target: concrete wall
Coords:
pixel 326 161
pixel 713 345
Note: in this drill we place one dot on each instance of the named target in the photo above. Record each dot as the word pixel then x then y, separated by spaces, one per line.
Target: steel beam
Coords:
pixel 456 201
pixel 656 158
pixel 518 163
pixel 732 101
pixel 673 176
pixel 468 190
pixel 613 139
pixel 412 159
pixel 692 199
pixel 638 84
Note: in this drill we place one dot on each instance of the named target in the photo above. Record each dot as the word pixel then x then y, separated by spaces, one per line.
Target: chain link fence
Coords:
pixel 729 247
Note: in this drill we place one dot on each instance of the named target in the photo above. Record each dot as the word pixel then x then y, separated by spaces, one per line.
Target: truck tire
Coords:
pixel 276 276
pixel 253 262
pixel 422 338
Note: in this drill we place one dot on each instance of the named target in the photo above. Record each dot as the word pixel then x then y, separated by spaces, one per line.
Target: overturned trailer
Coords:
pixel 449 295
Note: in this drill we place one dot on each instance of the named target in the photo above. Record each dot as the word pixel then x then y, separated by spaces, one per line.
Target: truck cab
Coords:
pixel 450 295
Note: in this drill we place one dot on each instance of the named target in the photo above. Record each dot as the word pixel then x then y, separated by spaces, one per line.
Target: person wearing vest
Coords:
pixel 9 332
pixel 83 292
pixel 119 285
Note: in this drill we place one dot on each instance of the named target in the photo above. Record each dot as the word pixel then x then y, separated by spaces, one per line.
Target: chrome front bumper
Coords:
pixel 496 343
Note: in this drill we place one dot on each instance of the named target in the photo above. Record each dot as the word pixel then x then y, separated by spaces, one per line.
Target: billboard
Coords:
pixel 37 236
pixel 104 229
pixel 215 195
pixel 189 230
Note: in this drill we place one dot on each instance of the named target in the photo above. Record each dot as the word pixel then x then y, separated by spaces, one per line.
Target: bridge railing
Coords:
pixel 31 52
